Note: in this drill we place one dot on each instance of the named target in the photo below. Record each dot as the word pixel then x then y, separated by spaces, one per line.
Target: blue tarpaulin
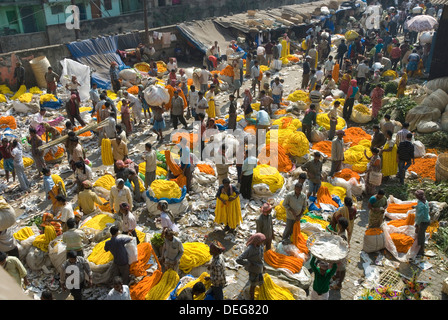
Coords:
pixel 97 54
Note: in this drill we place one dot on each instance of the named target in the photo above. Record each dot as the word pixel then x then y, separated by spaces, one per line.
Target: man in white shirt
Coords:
pixel 255 74
pixel 202 104
pixel 120 291
pixel 66 212
pixel 150 158
pixel 247 171
pixel 135 105
pixel 319 75
pixel 192 101
pixel 205 76
pixel 215 51
pixel 261 54
pixel 328 66
pixel 171 65
pixel 94 94
pixel 19 168
pixel 277 91
pixel 362 73
pixel 129 222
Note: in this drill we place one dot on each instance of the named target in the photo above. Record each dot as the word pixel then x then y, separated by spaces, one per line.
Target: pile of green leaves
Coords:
pixel 390 87
pixel 441 239
pixel 434 191
pixel 37 220
pixel 434 139
pixel 157 240
pixel 365 99
pixel 399 107
pixel 398 191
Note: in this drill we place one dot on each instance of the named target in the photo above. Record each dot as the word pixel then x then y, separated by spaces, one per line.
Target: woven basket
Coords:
pixel 442 167
pixel 325 237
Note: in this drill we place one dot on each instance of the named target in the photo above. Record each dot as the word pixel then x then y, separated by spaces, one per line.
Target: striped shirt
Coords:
pixel 401 135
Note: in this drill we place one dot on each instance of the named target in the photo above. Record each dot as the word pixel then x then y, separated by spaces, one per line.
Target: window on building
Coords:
pixel 57 9
pixel 12 17
pixel 108 4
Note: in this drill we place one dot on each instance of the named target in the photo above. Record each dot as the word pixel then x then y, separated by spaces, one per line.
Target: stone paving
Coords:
pixel 355 271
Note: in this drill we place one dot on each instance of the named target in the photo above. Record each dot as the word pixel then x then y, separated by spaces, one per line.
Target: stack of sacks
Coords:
pixel 166 190
pixel 204 173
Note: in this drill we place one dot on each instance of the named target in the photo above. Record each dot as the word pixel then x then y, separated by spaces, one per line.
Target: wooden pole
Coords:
pixel 145 19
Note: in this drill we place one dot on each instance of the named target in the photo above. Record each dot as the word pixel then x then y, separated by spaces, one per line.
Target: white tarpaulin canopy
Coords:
pixel 82 72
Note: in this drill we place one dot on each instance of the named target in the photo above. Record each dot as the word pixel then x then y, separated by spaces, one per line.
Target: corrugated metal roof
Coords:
pixel 438 2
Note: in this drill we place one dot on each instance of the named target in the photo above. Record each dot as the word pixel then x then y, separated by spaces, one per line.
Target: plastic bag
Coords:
pixel 7 215
pixel 356 188
pixel 131 249
pixel 156 95
pixel 374 243
pixel 419 149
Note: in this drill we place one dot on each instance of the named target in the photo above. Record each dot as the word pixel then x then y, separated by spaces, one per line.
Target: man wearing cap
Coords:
pixel 129 222
pixel 113 72
pixel 337 152
pixel 314 170
pixel 177 110
pixel 294 204
pixel 306 72
pixel 264 224
pixel 87 198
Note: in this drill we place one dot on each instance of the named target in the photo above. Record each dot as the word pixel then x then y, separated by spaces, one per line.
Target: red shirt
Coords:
pixel 214 60
pixel 395 53
pixel 5 151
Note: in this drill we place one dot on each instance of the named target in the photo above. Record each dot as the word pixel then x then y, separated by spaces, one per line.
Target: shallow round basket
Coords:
pixel 318 240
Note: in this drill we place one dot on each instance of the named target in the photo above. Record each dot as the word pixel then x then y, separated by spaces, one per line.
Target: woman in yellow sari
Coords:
pixel 228 207
pixel 389 154
pixel 285 46
pixel 402 85
pixel 210 96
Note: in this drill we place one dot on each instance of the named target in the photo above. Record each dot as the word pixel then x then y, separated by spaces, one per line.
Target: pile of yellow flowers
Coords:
pixel 27 162
pixel 99 256
pixel 4 89
pixel 288 123
pixel 166 189
pixel 35 90
pixel 107 182
pixel 390 73
pixel 355 156
pixel 162 290
pixel 334 190
pixel 294 142
pixel 298 95
pixel 264 173
pixel 207 284
pixel 26 97
pixel 195 254
pixel 264 68
pixel 362 109
pixel 323 120
pixel 47 97
pixel 2 98
pixel 320 222
pixel 271 291
pixel 19 92
pixel 98 222
pixel 284 60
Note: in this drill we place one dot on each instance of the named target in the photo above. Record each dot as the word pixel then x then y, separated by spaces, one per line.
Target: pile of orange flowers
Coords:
pixel 402 242
pixel 408 221
pixel 228 71
pixel 323 196
pixel 206 168
pixel 425 167
pixel 347 174
pixel 323 146
pixel 221 122
pixel 132 90
pixel 284 163
pixel 355 134
pixel 400 207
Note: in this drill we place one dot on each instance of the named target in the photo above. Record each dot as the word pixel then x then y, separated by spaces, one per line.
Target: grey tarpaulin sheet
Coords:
pixel 203 34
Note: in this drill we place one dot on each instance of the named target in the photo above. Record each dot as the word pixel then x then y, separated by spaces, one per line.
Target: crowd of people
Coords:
pixel 354 66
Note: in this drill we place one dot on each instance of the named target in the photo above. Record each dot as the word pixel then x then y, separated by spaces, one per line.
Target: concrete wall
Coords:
pixel 157 17
pixel 56 53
